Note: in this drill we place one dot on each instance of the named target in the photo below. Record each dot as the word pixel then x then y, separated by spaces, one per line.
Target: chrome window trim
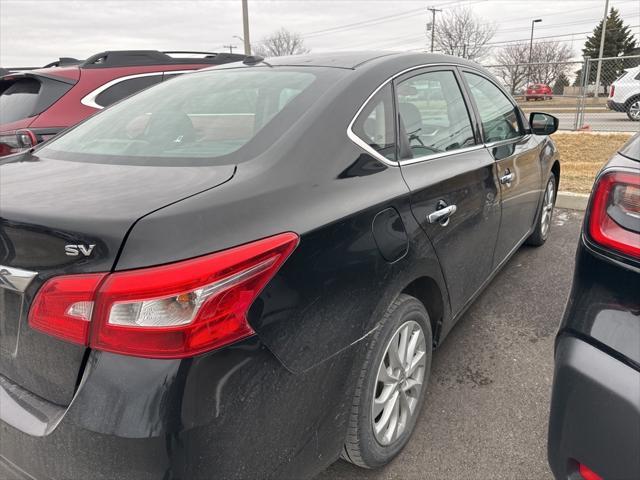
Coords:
pixel 448 153
pixel 89 99
pixel 15 279
pixel 362 144
pixel 508 141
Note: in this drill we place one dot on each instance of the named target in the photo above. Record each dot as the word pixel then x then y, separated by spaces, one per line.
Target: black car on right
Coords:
pixel 594 425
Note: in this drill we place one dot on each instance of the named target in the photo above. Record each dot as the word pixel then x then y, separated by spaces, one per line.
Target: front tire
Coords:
pixel 545 214
pixel 392 385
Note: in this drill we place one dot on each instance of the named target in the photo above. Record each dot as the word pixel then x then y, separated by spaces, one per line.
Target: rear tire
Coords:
pixel 380 427
pixel 545 215
pixel 633 109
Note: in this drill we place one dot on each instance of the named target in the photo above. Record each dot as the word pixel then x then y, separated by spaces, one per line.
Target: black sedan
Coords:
pixel 594 427
pixel 243 272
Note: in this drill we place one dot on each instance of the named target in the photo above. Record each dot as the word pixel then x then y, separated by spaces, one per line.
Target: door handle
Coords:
pixel 507 178
pixel 442 215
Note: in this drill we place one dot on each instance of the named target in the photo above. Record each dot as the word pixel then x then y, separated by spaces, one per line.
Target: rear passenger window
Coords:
pixel 123 89
pixel 375 125
pixel 18 99
pixel 433 114
pixel 497 113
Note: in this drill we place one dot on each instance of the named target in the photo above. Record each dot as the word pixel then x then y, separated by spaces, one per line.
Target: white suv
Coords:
pixel 625 94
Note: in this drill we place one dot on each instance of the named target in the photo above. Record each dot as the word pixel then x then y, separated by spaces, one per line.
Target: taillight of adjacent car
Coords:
pixel 176 310
pixel 15 142
pixel 612 91
pixel 614 213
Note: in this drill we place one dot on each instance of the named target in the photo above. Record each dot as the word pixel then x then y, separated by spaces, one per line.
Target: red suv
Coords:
pixel 538 91
pixel 37 104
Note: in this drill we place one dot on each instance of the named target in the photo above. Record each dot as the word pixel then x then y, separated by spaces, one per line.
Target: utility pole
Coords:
pixel 433 23
pixel 230 47
pixel 601 52
pixel 533 22
pixel 245 27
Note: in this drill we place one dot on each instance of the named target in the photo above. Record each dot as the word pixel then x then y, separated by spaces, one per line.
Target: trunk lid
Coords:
pixel 61 217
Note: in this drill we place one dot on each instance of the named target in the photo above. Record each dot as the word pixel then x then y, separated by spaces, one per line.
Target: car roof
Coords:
pixel 356 60
pixel 330 59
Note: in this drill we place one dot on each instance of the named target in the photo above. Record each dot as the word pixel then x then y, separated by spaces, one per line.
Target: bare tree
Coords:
pixel 548 63
pixel 511 68
pixel 550 59
pixel 461 33
pixel 280 43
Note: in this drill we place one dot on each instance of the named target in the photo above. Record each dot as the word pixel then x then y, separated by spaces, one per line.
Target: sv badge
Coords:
pixel 75 250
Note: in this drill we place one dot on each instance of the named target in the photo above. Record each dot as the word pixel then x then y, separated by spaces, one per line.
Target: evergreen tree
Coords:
pixel 561 82
pixel 618 41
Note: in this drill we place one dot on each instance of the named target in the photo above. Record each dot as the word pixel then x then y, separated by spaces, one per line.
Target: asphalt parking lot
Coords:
pixel 486 411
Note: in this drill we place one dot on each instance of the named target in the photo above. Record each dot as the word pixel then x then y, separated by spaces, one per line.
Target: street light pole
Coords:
pixel 245 27
pixel 533 22
pixel 601 52
pixel 433 24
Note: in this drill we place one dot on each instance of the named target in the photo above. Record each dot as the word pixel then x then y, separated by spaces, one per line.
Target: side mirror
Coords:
pixel 543 123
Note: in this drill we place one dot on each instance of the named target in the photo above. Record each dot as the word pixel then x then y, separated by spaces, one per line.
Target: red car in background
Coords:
pixel 538 91
pixel 36 105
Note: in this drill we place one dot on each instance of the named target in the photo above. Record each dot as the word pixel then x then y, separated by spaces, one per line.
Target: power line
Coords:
pixel 350 26
pixel 373 21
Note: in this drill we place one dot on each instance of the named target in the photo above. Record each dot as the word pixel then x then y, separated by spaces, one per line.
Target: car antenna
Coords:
pixel 255 59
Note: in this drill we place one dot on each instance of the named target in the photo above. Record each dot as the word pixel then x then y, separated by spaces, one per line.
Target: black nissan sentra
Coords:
pixel 594 426
pixel 243 272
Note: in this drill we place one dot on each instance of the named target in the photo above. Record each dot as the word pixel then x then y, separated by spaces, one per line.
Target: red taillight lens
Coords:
pixel 613 91
pixel 62 308
pixel 614 220
pixel 587 473
pixel 185 308
pixel 16 142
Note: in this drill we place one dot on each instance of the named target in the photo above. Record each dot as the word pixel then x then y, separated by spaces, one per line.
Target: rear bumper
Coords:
pixel 538 95
pixel 234 413
pixel 615 106
pixel 595 413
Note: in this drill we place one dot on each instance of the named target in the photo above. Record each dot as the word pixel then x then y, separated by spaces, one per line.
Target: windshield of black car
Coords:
pixel 204 115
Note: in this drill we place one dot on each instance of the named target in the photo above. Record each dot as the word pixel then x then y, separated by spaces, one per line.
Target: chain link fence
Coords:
pixel 568 91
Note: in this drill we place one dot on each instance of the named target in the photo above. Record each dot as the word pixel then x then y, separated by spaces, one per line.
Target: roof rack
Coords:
pixel 64 62
pixel 124 58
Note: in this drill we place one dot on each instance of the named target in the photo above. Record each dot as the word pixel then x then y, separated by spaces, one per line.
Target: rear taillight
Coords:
pixel 171 311
pixel 16 142
pixel 63 306
pixel 587 474
pixel 614 219
pixel 613 91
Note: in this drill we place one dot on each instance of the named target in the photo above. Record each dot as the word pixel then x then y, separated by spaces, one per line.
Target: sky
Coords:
pixel 36 32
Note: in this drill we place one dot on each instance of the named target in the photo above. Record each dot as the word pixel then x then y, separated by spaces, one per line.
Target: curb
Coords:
pixel 572 201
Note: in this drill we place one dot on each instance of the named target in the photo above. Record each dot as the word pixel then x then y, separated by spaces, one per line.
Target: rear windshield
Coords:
pixel 18 99
pixel 631 149
pixel 198 116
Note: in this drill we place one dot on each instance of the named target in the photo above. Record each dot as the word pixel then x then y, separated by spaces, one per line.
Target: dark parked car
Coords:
pixel 594 427
pixel 37 104
pixel 242 273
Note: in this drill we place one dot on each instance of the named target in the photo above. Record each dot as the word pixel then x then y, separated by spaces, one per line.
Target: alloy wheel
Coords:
pixel 634 110
pixel 547 208
pixel 399 382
